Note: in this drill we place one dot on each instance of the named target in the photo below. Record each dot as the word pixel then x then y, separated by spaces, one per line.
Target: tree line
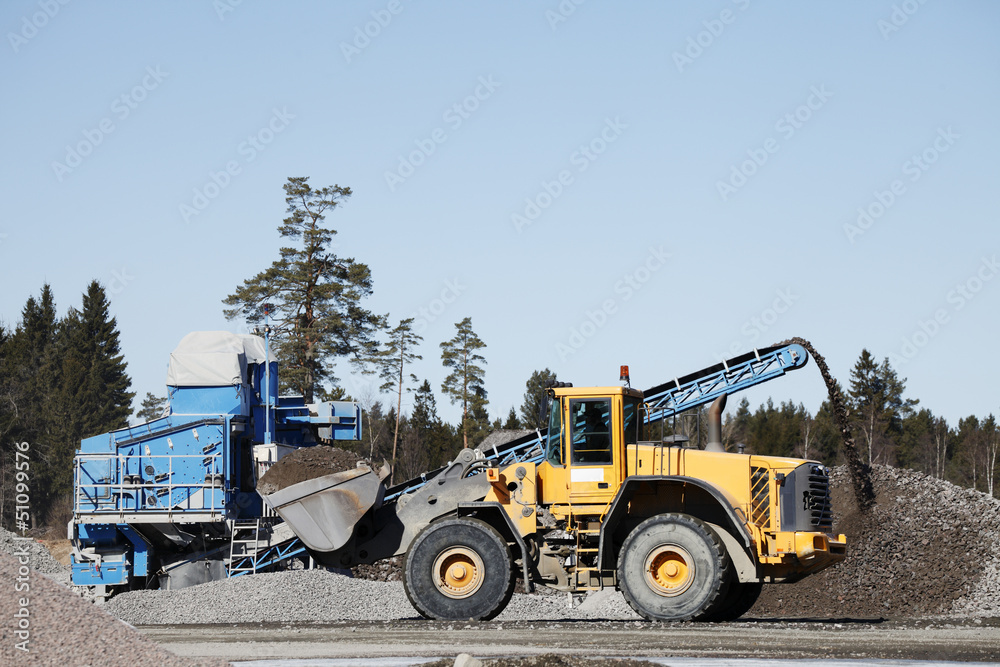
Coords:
pixel 64 379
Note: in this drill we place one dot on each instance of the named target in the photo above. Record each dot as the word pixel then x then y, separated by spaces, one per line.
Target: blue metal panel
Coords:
pixel 110 573
pixel 140 550
pixel 107 541
pixel 184 467
pixel 208 400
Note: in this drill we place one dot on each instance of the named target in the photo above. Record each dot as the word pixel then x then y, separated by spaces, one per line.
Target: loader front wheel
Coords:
pixel 740 598
pixel 672 567
pixel 459 569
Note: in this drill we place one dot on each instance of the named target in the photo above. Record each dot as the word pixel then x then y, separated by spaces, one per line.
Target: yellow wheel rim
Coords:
pixel 669 570
pixel 458 572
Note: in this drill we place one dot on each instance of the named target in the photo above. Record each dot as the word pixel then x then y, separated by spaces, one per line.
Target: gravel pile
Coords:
pixel 306 463
pixel 319 595
pixel 39 557
pixel 387 569
pixel 64 629
pixel 926 548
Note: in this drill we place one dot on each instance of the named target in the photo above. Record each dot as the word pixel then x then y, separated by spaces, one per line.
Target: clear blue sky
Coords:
pixel 697 168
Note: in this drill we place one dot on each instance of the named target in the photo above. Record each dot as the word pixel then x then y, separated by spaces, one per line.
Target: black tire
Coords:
pixel 738 601
pixel 739 598
pixel 672 567
pixel 459 569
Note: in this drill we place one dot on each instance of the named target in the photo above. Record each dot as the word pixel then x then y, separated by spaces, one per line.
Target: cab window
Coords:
pixel 630 420
pixel 591 431
pixel 553 447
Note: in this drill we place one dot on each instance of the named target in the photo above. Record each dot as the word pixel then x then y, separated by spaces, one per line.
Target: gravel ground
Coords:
pixel 544 660
pixel 64 629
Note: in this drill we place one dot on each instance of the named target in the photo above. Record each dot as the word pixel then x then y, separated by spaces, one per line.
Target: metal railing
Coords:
pixel 114 489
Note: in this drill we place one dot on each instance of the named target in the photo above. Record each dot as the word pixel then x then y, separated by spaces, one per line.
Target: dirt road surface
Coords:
pixel 802 640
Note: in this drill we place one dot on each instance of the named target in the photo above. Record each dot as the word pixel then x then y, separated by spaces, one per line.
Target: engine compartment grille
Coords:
pixel 816 501
pixel 760 494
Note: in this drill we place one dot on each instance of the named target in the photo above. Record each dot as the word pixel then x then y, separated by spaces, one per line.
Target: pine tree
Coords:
pixel 916 442
pixel 32 382
pixel 314 296
pixel 479 425
pixel 433 435
pixel 741 423
pixel 878 406
pixel 825 438
pixel 412 458
pixel 535 398
pixel 991 436
pixel 90 395
pixel 107 383
pixel 391 363
pixel 8 422
pixel 465 382
pixel 970 453
pixel 512 423
pixel 152 408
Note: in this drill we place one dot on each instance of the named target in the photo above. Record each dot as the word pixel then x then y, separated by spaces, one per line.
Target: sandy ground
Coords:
pixel 801 640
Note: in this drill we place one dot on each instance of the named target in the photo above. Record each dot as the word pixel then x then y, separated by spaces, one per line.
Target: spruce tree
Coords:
pixel 878 407
pixel 33 382
pixel 534 398
pixel 107 383
pixel 314 295
pixel 434 436
pixel 91 393
pixel 465 382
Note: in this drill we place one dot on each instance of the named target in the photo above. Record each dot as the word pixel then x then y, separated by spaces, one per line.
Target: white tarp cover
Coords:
pixel 213 359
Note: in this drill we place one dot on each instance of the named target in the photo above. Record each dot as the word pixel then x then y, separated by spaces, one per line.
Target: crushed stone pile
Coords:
pixel 926 548
pixel 387 569
pixel 319 595
pixel 63 629
pixel 39 558
pixel 306 463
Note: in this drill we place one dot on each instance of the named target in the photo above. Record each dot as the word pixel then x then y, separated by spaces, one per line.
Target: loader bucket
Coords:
pixel 322 512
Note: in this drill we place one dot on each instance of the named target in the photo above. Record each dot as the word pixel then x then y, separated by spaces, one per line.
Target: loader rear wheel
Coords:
pixel 459 569
pixel 672 567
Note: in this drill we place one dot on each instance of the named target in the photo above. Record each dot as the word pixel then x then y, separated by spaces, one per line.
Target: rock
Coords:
pixel 466 660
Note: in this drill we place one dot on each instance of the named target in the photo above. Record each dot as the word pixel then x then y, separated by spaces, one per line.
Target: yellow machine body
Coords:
pixel 601 469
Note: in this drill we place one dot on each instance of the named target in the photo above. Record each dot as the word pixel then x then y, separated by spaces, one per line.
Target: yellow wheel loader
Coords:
pixel 601 498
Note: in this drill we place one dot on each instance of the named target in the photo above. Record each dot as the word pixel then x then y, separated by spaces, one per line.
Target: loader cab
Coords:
pixel 589 428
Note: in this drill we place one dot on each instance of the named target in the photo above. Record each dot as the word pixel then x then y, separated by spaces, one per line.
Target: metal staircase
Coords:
pixel 259 545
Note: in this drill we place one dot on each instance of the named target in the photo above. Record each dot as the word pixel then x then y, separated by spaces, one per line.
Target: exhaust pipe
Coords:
pixel 714 443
